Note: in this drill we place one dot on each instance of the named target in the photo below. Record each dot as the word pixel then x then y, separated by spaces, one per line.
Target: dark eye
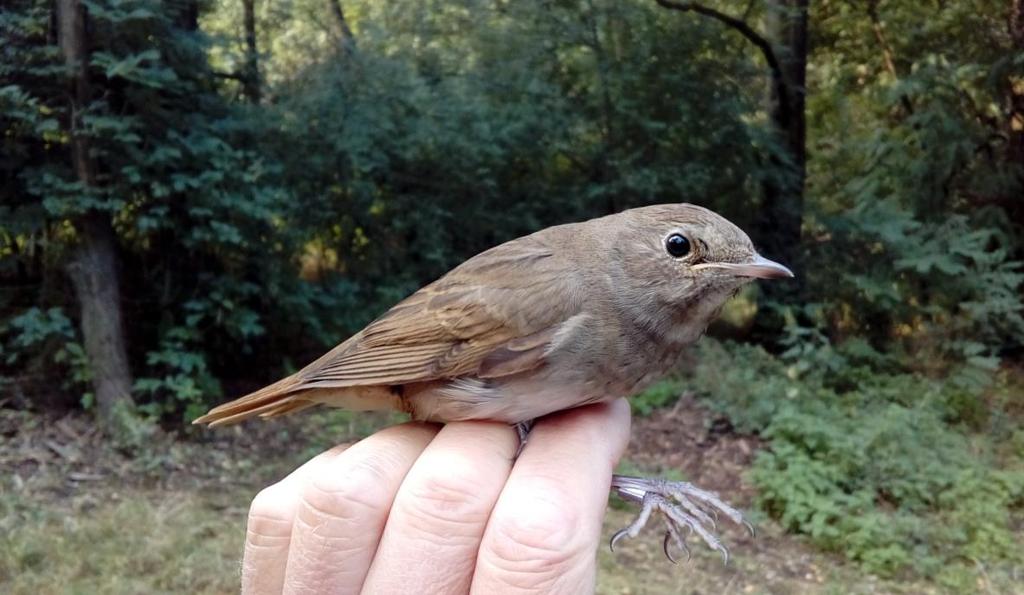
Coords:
pixel 677 245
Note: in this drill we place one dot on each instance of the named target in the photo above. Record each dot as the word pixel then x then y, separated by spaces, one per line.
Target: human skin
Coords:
pixel 442 509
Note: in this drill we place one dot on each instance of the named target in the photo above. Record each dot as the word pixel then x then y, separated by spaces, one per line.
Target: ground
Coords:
pixel 82 517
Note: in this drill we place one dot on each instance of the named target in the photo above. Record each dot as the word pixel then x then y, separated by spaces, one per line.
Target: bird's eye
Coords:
pixel 677 245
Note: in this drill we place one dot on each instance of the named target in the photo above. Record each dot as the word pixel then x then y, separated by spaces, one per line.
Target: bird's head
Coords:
pixel 683 256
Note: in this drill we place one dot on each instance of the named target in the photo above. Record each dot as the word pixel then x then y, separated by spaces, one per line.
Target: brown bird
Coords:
pixel 569 315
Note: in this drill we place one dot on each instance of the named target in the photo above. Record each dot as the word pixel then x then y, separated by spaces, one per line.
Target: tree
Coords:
pixel 94 266
pixel 146 164
pixel 255 230
pixel 784 49
pixel 783 208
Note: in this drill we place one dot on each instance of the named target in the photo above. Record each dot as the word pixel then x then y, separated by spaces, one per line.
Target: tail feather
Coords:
pixel 275 399
pixel 290 406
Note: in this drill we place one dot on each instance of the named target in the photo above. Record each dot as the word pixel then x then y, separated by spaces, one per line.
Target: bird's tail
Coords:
pixel 284 396
pixel 294 394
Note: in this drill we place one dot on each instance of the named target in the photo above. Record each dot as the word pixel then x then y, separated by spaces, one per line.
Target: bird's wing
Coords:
pixel 492 316
pixel 495 315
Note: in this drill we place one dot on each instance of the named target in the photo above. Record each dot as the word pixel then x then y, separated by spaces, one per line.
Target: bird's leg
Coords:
pixel 523 430
pixel 682 504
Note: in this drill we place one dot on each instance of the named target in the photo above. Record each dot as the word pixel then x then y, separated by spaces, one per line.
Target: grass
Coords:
pixel 147 540
pixel 172 519
pixel 124 542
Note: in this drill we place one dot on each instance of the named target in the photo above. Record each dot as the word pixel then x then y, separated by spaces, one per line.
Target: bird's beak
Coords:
pixel 759 268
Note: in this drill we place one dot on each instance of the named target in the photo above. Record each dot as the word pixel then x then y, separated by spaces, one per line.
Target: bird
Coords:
pixel 570 315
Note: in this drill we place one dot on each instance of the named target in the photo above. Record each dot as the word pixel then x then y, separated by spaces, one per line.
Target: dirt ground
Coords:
pixel 83 516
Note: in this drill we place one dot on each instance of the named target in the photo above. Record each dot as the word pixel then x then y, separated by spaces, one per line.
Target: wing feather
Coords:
pixel 492 315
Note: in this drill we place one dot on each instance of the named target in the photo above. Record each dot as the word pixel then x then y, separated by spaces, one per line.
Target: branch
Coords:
pixel 235 76
pixel 744 29
pixel 748 10
pixel 887 52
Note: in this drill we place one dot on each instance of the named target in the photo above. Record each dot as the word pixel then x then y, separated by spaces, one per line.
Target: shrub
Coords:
pixel 894 470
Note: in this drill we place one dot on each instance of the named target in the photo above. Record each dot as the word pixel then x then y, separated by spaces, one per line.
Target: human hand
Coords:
pixel 419 508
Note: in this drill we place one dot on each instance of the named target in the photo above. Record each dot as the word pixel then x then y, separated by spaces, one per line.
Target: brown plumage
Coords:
pixel 569 315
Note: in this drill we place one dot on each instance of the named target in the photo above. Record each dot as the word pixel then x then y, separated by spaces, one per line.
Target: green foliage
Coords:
pixel 267 232
pixel 35 326
pixel 883 467
pixel 655 397
pixel 913 166
pixel 440 150
pixel 186 376
pixel 47 337
pixel 252 236
pixel 207 233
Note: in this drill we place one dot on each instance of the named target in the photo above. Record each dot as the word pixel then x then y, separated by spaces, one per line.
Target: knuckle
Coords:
pixel 447 499
pixel 270 515
pixel 538 540
pixel 543 527
pixel 271 502
pixel 358 489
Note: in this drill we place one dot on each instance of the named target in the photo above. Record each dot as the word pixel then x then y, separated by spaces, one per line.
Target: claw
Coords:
pixel 683 505
pixel 750 528
pixel 664 547
pixel 680 542
pixel 615 538
pixel 673 532
pixel 647 505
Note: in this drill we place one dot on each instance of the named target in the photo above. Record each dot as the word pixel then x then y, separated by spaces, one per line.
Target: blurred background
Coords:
pixel 198 197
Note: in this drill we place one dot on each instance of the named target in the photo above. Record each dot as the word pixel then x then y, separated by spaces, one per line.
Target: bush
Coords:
pixel 895 470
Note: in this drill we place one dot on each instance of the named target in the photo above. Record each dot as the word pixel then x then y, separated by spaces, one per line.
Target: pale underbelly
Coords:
pixel 517 398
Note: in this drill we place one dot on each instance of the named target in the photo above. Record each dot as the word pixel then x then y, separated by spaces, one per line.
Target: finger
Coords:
pixel 269 528
pixel 341 515
pixel 544 530
pixel 438 518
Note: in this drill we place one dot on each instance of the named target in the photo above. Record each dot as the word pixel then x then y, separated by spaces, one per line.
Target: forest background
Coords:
pixel 199 197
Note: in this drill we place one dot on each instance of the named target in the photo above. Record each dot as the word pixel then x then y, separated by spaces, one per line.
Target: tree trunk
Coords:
pixel 783 208
pixel 185 14
pixel 1015 90
pixel 93 268
pixel 339 27
pixel 601 164
pixel 94 274
pixel 251 78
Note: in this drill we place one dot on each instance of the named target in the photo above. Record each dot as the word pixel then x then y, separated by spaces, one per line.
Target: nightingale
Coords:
pixel 570 315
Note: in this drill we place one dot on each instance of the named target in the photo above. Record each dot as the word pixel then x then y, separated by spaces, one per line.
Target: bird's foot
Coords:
pixel 683 505
pixel 523 431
